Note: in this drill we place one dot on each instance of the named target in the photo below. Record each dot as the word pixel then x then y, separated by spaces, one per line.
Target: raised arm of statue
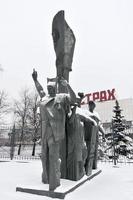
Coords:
pixel 69 90
pixel 71 118
pixel 37 84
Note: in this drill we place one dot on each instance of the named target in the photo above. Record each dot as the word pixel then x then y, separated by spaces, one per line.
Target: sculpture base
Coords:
pixel 65 188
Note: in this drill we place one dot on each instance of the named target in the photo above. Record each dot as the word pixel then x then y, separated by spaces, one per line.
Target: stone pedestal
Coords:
pixel 66 187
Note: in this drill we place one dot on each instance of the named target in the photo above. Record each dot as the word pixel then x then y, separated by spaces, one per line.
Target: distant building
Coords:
pixel 105 109
pixel 105 102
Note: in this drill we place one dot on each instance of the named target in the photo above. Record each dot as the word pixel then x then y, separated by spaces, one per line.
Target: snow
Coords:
pixel 86 114
pixel 112 184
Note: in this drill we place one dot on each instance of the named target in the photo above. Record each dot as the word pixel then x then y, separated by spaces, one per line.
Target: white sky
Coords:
pixel 103 56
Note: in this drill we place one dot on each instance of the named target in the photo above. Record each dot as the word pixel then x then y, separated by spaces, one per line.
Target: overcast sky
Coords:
pixel 103 57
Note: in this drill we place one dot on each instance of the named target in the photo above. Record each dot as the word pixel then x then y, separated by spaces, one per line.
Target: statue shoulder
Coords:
pixel 45 100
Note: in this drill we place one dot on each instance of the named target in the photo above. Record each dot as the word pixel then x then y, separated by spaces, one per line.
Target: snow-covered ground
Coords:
pixel 113 183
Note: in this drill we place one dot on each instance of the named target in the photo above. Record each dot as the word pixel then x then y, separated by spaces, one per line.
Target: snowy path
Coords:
pixel 111 184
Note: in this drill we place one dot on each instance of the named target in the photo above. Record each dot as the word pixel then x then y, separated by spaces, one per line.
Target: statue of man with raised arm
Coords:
pixel 53 110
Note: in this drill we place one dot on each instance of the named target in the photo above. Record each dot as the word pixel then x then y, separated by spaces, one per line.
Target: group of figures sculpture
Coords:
pixel 69 133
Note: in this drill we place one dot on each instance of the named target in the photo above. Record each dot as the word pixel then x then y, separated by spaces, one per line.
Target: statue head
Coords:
pixel 51 86
pixel 91 105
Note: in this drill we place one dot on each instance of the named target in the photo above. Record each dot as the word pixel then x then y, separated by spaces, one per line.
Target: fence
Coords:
pixel 10 144
pixel 9 148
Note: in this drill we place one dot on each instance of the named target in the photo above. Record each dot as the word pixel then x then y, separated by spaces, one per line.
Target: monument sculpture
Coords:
pixel 64 125
pixel 53 110
pixel 77 149
pixel 92 137
pixel 64 43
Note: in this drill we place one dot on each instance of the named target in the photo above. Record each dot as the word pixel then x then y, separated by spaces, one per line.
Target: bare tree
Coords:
pixel 34 119
pixel 4 105
pixel 21 110
pixel 12 143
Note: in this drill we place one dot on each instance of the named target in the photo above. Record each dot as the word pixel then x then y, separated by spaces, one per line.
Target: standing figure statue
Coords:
pixel 94 115
pixel 53 110
pixel 77 150
pixel 92 138
pixel 64 44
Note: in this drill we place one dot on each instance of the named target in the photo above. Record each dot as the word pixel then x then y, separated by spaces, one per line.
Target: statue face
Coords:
pixel 91 107
pixel 51 90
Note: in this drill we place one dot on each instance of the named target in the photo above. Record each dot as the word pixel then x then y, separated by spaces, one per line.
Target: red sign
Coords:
pixel 105 95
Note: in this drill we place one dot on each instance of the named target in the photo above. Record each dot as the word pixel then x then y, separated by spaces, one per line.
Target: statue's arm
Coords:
pixel 101 129
pixel 71 93
pixel 87 120
pixel 69 90
pixel 37 84
pixel 71 119
pixel 39 89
